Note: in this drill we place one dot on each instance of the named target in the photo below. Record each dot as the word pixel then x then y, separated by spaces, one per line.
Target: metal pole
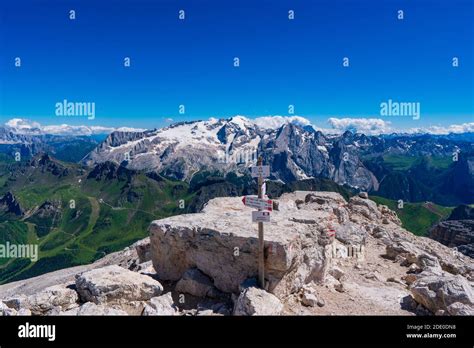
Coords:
pixel 261 258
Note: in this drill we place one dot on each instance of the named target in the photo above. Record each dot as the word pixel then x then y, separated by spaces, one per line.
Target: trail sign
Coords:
pixel 258 203
pixel 260 171
pixel 260 216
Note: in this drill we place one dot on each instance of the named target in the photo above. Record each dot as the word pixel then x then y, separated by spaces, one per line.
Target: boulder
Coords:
pixel 337 273
pixel 413 255
pixel 90 308
pixel 351 234
pixel 54 298
pixel 309 296
pixel 17 302
pixel 309 299
pixel 143 249
pixel 342 214
pixel 222 242
pixel 196 283
pixel 436 292
pixel 458 308
pixel 213 308
pixel 116 285
pixel 404 249
pixel 24 312
pixel 364 207
pixel 161 305
pixel 255 301
pixel 6 311
pixel 389 215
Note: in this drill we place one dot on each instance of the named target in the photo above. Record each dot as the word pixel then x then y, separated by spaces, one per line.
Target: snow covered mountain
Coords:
pixel 293 151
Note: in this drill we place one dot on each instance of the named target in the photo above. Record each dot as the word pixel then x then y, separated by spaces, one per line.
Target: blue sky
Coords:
pixel 282 62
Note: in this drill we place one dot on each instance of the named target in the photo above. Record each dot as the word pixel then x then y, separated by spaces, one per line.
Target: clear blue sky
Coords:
pixel 190 62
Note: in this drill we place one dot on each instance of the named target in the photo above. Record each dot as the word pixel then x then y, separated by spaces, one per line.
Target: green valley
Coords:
pixel 416 217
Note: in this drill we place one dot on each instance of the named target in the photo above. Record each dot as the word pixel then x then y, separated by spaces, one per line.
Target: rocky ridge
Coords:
pixel 324 255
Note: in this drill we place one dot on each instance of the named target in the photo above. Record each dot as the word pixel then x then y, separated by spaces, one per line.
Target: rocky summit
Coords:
pixel 324 255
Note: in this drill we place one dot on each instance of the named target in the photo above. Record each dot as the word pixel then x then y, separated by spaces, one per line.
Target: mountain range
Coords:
pixel 415 167
pixel 408 167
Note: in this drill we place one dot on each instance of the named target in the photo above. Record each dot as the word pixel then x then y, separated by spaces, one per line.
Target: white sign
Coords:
pixel 264 171
pixel 257 203
pixel 260 216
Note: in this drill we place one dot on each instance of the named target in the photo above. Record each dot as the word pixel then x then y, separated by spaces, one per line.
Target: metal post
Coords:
pixel 261 257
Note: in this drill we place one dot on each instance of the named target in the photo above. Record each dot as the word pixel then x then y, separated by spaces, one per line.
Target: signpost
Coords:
pixel 257 203
pixel 264 206
pixel 260 216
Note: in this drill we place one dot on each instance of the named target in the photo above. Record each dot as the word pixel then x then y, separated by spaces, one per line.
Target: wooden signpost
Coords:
pixel 264 206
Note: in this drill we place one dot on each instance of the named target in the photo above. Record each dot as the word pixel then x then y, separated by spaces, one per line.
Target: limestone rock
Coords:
pixel 337 273
pixel 213 308
pixel 441 291
pixel 222 242
pixel 405 249
pixel 161 305
pixel 196 283
pixel 351 234
pixel 24 312
pixel 389 215
pixel 364 207
pixel 339 287
pixel 53 298
pixel 90 308
pixel 117 285
pixel 309 299
pixel 254 301
pixel 17 302
pixel 458 308
pixel 143 249
pixel 6 311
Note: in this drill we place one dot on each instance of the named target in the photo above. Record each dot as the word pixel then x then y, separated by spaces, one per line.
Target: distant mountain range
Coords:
pixel 411 167
pixel 71 148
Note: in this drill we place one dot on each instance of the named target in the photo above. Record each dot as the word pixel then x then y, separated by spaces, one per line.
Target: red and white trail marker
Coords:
pixel 331 232
pixel 258 203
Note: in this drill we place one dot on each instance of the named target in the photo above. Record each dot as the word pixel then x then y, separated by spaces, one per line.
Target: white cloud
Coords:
pixel 278 121
pixel 24 126
pixel 454 128
pixel 368 126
